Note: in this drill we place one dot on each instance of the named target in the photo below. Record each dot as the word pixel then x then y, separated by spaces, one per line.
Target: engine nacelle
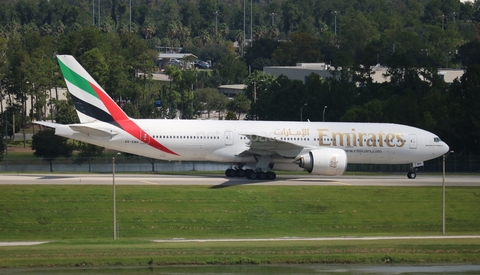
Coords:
pixel 327 161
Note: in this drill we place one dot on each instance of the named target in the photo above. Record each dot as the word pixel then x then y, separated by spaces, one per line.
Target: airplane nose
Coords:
pixel 446 148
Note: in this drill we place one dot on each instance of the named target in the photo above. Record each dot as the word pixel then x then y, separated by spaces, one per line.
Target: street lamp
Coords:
pixel 335 13
pixel 273 18
pixel 324 113
pixel 216 22
pixel 114 199
pixel 443 192
pixel 301 111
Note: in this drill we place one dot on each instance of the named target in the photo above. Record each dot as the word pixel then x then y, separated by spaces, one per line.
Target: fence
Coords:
pixel 455 163
pixel 104 165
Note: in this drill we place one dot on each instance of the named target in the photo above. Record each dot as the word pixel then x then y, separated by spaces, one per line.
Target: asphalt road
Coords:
pixel 222 181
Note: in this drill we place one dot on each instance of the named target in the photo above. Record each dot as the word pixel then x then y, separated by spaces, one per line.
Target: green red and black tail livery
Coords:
pixel 94 104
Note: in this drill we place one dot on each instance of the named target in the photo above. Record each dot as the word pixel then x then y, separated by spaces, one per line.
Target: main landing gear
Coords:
pixel 250 174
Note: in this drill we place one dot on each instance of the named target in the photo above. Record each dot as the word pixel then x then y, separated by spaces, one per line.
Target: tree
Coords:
pixel 231 69
pixel 260 53
pixel 469 53
pixel 464 114
pixel 210 99
pixel 240 104
pixel 300 47
pixel 2 143
pixel 87 152
pixel 50 146
pixel 65 111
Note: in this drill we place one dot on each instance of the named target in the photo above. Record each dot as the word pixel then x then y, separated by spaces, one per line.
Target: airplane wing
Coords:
pixel 262 145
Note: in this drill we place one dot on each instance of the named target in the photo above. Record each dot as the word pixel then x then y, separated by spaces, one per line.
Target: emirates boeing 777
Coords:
pixel 253 148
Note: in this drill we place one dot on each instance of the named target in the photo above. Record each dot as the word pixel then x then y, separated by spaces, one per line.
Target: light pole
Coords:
pixel 443 192
pixel 324 113
pixel 301 111
pixel 335 13
pixel 244 30
pixel 98 14
pixel 273 18
pixel 251 22
pixel 6 141
pixel 443 22
pixel 216 23
pixel 114 199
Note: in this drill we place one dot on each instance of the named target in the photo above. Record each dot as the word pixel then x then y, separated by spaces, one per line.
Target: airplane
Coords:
pixel 254 149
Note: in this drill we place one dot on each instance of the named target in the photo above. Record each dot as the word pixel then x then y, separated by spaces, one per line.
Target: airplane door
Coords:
pixel 228 138
pixel 413 141
pixel 144 136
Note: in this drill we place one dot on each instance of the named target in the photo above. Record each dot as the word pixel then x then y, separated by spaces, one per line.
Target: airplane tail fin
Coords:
pixel 91 101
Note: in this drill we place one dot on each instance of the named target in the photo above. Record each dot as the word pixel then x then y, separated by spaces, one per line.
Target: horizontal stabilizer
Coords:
pixel 48 124
pixel 82 128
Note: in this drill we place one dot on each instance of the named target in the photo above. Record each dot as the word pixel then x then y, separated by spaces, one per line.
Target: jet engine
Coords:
pixel 327 161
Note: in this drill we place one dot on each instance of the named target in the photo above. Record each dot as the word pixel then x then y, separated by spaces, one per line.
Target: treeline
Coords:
pixel 412 38
pixel 427 32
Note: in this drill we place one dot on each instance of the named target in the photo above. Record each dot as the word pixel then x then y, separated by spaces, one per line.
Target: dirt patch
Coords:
pixel 27 149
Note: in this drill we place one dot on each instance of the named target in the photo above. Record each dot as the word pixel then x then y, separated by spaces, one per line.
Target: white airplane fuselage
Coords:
pixel 225 141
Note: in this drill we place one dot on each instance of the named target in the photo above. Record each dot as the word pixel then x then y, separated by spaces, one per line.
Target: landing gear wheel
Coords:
pixel 271 175
pixel 411 175
pixel 230 173
pixel 250 174
pixel 239 173
pixel 261 175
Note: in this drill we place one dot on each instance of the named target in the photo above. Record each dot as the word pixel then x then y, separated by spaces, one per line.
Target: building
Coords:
pixel 302 70
pixel 232 90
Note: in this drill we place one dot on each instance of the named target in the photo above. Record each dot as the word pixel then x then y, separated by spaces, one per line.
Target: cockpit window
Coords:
pixel 436 139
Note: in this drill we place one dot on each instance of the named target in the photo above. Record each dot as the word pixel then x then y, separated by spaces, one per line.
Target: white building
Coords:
pixel 302 70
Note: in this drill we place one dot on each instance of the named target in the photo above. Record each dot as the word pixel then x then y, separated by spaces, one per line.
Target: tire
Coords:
pixel 239 173
pixel 411 175
pixel 271 175
pixel 261 175
pixel 252 175
pixel 230 173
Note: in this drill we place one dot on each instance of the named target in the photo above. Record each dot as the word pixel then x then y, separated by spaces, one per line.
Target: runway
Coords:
pixel 218 181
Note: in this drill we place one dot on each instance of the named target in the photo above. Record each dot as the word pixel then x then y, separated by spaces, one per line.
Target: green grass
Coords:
pixel 81 212
pixel 141 253
pixel 78 221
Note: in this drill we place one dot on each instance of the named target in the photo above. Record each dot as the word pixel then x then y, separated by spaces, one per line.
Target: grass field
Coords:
pixel 78 219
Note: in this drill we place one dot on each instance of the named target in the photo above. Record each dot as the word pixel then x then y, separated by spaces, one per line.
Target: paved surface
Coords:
pixel 217 181
pixel 320 239
pixel 181 240
pixel 20 243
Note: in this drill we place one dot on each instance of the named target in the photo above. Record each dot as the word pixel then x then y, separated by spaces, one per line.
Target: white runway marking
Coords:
pixel 222 181
pixel 179 240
